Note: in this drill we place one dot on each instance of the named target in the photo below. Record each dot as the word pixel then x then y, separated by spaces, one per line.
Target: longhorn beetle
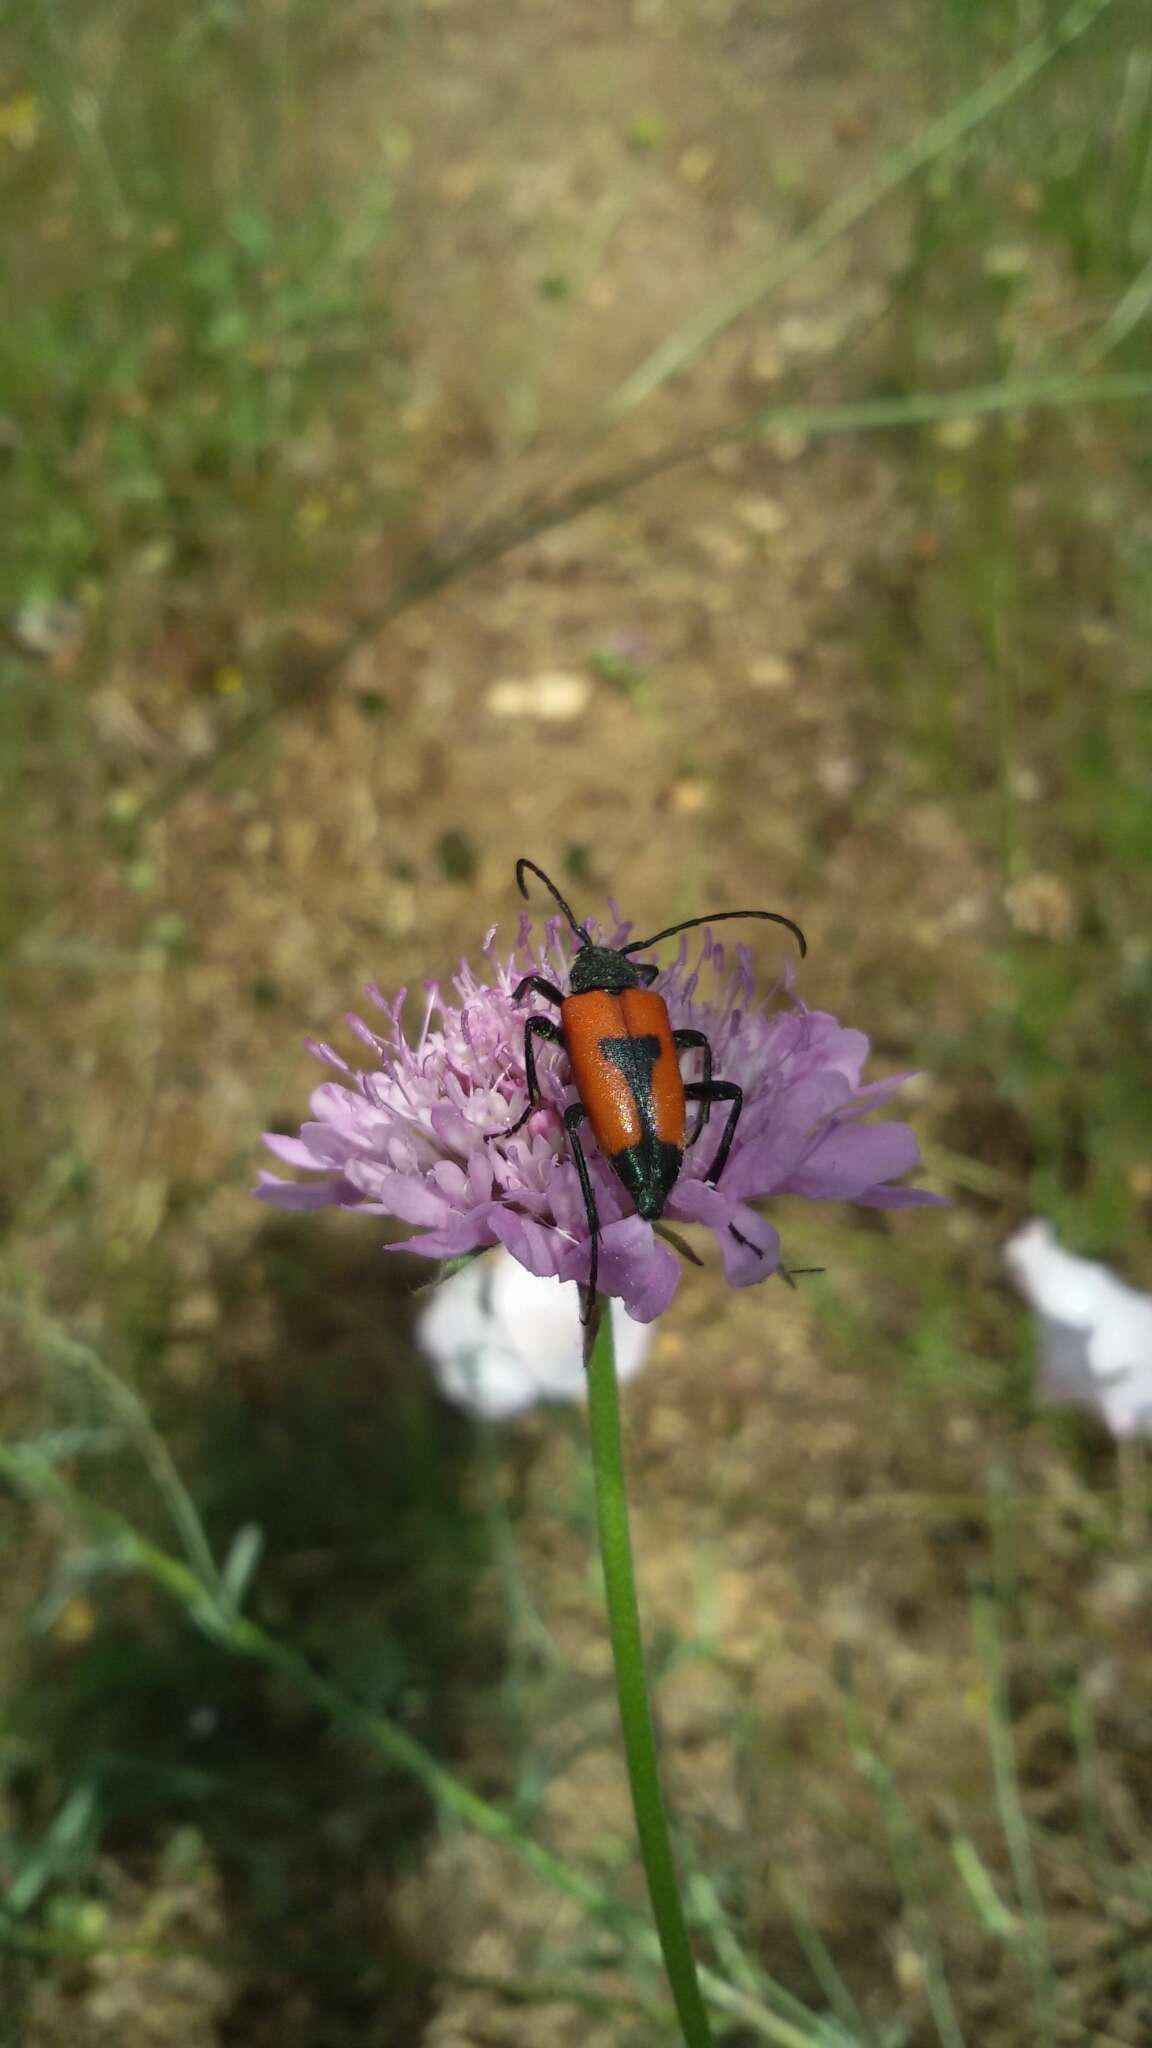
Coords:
pixel 625 1063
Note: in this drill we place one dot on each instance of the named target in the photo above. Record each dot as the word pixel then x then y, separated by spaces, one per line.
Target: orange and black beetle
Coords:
pixel 625 1060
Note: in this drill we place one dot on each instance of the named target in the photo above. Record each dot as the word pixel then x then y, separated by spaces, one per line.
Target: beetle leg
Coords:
pixel 536 1027
pixel 688 1041
pixel 540 987
pixel 790 1273
pixel 724 1091
pixel 718 1091
pixel 573 1117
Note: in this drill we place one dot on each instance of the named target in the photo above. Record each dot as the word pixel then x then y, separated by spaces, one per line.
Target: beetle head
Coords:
pixel 602 967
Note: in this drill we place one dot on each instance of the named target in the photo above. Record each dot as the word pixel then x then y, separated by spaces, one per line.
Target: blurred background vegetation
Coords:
pixel 704 445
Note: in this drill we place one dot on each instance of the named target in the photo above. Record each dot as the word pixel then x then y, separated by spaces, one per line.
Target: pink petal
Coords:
pixel 292 1151
pixel 851 1158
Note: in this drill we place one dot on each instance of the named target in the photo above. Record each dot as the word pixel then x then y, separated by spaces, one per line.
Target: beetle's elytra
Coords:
pixel 625 1060
pixel 626 1069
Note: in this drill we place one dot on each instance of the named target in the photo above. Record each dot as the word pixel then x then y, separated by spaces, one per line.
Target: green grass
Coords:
pixel 198 393
pixel 1016 658
pixel 195 366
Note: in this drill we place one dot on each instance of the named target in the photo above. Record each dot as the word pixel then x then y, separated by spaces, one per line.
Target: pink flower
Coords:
pixel 406 1136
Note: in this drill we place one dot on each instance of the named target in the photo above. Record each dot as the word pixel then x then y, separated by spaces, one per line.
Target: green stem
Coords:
pixel 631 1683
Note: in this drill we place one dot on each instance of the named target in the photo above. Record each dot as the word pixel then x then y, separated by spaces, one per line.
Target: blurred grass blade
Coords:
pixel 978 1883
pixel 941 136
pixel 239 1567
pixel 821 1963
pixel 905 1847
pixel 127 1406
pixel 67 1836
pixel 1125 317
pixel 710 1916
pixel 1015 1825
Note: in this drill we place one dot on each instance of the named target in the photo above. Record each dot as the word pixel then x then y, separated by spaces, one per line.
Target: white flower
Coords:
pixel 499 1339
pixel 1095 1329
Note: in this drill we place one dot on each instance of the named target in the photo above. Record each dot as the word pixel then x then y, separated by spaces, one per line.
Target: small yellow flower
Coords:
pixel 958 433
pixel 313 514
pixel 75 1625
pixel 20 120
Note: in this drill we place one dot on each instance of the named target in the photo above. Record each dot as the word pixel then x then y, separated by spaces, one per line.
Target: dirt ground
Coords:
pixel 670 699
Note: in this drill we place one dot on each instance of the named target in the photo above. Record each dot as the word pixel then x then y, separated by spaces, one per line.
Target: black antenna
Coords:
pixel 579 930
pixel 717 917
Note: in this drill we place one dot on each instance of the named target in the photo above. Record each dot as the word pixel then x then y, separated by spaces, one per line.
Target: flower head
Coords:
pixel 499 1340
pixel 1096 1331
pixel 410 1135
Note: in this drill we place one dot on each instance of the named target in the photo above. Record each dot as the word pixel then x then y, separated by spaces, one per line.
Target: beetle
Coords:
pixel 625 1061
